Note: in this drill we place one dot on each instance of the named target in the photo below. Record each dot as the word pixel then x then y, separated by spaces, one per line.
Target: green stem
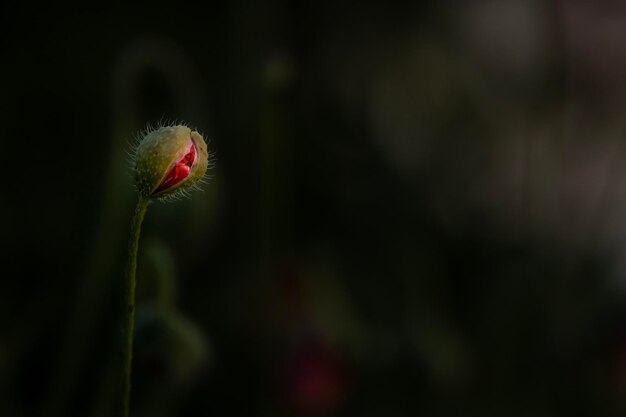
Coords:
pixel 129 310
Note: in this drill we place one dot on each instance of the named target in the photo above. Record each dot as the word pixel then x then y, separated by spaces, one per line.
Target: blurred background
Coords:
pixel 417 209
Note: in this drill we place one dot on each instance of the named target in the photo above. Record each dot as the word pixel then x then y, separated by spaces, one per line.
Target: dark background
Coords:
pixel 416 209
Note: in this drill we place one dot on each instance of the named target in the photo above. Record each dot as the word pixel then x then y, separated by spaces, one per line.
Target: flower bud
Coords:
pixel 169 161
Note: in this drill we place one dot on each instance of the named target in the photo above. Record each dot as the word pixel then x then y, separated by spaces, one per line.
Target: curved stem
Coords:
pixel 129 310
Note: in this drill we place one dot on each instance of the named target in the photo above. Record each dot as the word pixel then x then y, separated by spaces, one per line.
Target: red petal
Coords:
pixel 180 170
pixel 190 158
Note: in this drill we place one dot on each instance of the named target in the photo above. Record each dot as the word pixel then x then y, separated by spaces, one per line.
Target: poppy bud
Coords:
pixel 169 161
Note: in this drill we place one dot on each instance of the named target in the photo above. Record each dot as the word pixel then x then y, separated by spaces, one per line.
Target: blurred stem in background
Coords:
pixel 274 159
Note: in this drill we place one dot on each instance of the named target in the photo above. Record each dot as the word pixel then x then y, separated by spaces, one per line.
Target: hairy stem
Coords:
pixel 129 308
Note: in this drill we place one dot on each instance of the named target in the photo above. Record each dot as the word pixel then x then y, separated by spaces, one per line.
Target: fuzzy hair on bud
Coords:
pixel 169 161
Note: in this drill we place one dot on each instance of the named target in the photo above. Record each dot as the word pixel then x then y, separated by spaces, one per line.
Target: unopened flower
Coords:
pixel 169 161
